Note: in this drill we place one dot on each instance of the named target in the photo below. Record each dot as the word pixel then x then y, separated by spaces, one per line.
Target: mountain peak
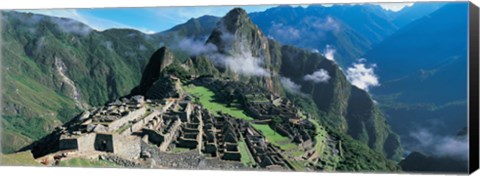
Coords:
pixel 161 59
pixel 237 13
pixel 236 18
pixel 239 40
pixel 235 32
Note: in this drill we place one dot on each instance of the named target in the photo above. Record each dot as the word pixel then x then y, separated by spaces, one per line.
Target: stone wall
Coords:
pixel 231 156
pixel 115 125
pixel 153 136
pixel 68 144
pixel 172 134
pixel 104 142
pixel 141 123
pixel 186 114
pixel 86 142
pixel 187 143
pixel 128 147
pixel 167 105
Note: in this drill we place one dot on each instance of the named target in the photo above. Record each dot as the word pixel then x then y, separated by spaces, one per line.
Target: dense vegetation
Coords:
pixel 107 65
pixel 42 54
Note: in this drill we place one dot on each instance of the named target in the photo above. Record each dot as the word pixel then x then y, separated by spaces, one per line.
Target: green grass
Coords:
pixel 320 137
pixel 15 139
pixel 298 153
pixel 274 137
pixel 180 150
pixel 325 155
pixel 18 159
pixel 81 162
pixel 206 97
pixel 246 157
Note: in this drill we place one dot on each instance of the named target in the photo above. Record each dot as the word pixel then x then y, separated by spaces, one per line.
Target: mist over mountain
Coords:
pixel 450 152
pixel 237 41
pixel 91 68
pixel 330 61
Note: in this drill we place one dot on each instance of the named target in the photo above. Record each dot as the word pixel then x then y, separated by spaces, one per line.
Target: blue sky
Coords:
pixel 150 20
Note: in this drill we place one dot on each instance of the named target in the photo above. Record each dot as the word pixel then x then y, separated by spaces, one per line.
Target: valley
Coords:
pixel 292 88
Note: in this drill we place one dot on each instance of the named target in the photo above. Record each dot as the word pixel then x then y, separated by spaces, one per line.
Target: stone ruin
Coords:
pixel 172 125
pixel 112 128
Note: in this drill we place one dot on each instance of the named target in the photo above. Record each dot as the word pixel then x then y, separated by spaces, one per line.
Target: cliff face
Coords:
pixel 244 51
pixel 160 60
pixel 106 65
pixel 240 45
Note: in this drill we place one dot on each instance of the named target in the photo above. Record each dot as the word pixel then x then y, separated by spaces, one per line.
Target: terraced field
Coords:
pixel 206 98
pixel 246 157
pixel 274 137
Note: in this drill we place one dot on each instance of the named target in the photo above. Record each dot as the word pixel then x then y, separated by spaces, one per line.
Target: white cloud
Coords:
pixel 237 55
pixel 239 60
pixel 362 76
pixel 194 47
pixel 284 32
pixel 395 6
pixel 324 24
pixel 245 63
pixel 74 27
pixel 329 52
pixel 142 47
pixel 291 86
pixel 108 45
pixel 451 146
pixel 318 76
pixel 96 23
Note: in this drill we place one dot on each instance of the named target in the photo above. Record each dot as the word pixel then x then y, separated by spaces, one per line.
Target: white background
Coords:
pixel 49 4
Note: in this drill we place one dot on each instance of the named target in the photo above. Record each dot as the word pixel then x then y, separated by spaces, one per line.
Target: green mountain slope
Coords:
pixel 55 67
pixel 78 67
pixel 341 106
pixel 74 66
pixel 197 28
pixel 356 155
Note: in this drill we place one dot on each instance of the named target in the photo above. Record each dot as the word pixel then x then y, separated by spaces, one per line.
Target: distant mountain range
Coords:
pixel 266 63
pixel 56 67
pixel 350 30
pixel 78 67
pixel 424 84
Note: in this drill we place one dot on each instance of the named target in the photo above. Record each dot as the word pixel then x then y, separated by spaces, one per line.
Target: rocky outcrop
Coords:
pixel 154 70
pixel 237 38
pixel 346 108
